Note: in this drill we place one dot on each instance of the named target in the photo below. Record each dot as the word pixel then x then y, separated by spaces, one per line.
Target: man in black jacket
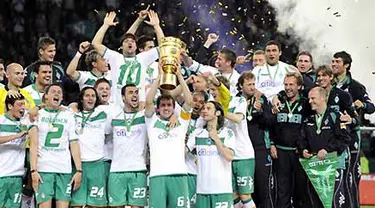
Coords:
pixel 290 177
pixel 341 64
pixel 259 119
pixel 323 133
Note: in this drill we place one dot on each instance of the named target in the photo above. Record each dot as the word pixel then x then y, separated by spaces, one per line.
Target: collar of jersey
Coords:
pixel 51 111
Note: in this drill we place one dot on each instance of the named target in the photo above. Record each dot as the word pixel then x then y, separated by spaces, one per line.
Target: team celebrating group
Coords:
pixel 220 139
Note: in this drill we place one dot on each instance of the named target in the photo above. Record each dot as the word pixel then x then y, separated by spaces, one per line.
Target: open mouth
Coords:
pixel 56 101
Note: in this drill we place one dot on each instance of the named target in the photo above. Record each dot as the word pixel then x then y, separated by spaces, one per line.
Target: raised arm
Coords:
pixel 149 108
pixel 141 17
pixel 185 91
pixel 72 67
pixel 155 23
pixel 108 22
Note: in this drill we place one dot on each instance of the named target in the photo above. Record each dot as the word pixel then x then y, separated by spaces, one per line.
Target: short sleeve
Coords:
pixel 241 106
pixel 229 140
pixel 82 78
pixel 191 141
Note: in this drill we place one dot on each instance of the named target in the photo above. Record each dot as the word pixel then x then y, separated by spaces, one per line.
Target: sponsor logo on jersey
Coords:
pixel 207 152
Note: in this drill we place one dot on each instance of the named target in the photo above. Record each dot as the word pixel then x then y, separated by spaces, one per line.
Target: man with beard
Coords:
pixel 15 75
pixel 323 133
pixel 341 64
pixel 91 119
pixel 270 77
pixel 168 181
pixel 43 74
pixel 128 67
pixel 291 179
pixel 53 141
pixel 14 129
pixel 259 120
pixel 97 67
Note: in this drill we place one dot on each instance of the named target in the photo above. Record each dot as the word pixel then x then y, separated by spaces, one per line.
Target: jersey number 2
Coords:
pixel 54 135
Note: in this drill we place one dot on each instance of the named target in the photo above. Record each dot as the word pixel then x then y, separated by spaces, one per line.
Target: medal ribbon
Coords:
pixel 52 121
pixel 274 75
pixel 129 122
pixel 251 106
pixel 291 110
pixel 85 119
pixel 319 120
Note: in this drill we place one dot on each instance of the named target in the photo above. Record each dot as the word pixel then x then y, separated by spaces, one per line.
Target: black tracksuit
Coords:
pixel 258 131
pixel 290 177
pixel 357 92
pixel 341 101
pixel 333 137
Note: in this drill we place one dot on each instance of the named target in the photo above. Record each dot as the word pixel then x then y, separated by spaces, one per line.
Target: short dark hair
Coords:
pixel 305 53
pixel 101 80
pixel 229 55
pixel 54 84
pixel 141 42
pixel 273 42
pixel 82 93
pixel 244 76
pixel 346 58
pixel 10 100
pixel 123 89
pixel 44 42
pixel 128 35
pixel 164 97
pixel 38 64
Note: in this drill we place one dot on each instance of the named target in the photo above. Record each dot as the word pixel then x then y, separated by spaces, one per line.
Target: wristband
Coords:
pixel 78 54
pixel 79 171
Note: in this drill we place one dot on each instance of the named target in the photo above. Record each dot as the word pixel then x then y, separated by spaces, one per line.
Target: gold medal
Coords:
pixel 318 131
pixel 51 126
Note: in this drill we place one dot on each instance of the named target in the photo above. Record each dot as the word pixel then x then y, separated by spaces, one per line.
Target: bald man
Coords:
pixel 15 74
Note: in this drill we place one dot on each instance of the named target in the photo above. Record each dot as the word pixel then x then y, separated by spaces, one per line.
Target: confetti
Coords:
pixel 142 4
pixel 226 7
pixel 328 8
pixel 330 25
pixel 207 29
pixel 335 13
pixel 198 30
pixel 224 14
pixel 239 9
pixel 220 4
pixel 96 11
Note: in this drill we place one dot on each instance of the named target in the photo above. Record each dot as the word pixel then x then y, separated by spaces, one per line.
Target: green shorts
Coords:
pixel 214 200
pixel 169 191
pixel 55 185
pixel 127 188
pixel 243 176
pixel 93 189
pixel 10 191
pixel 192 189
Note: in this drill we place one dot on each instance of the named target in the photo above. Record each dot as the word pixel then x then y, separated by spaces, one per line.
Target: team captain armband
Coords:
pixel 185 115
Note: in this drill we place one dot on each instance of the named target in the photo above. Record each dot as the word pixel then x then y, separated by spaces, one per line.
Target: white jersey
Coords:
pixel 108 142
pixel 191 159
pixel 56 129
pixel 214 171
pixel 129 141
pixel 12 153
pixel 35 93
pixel 97 123
pixel 167 146
pixel 244 147
pixel 126 70
pixel 87 78
pixel 232 77
pixel 270 79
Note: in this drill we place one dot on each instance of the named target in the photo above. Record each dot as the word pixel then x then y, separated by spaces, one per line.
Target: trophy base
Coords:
pixel 168 81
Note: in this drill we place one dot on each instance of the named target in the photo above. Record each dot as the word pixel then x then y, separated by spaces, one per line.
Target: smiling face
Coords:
pixel 316 99
pixel 323 79
pixel 166 108
pixel 338 66
pixel 43 77
pixel 48 53
pixel 54 97
pixel 198 103
pixel 104 92
pixel 222 63
pixel 15 74
pixel 89 99
pixel 131 98
pixel 291 87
